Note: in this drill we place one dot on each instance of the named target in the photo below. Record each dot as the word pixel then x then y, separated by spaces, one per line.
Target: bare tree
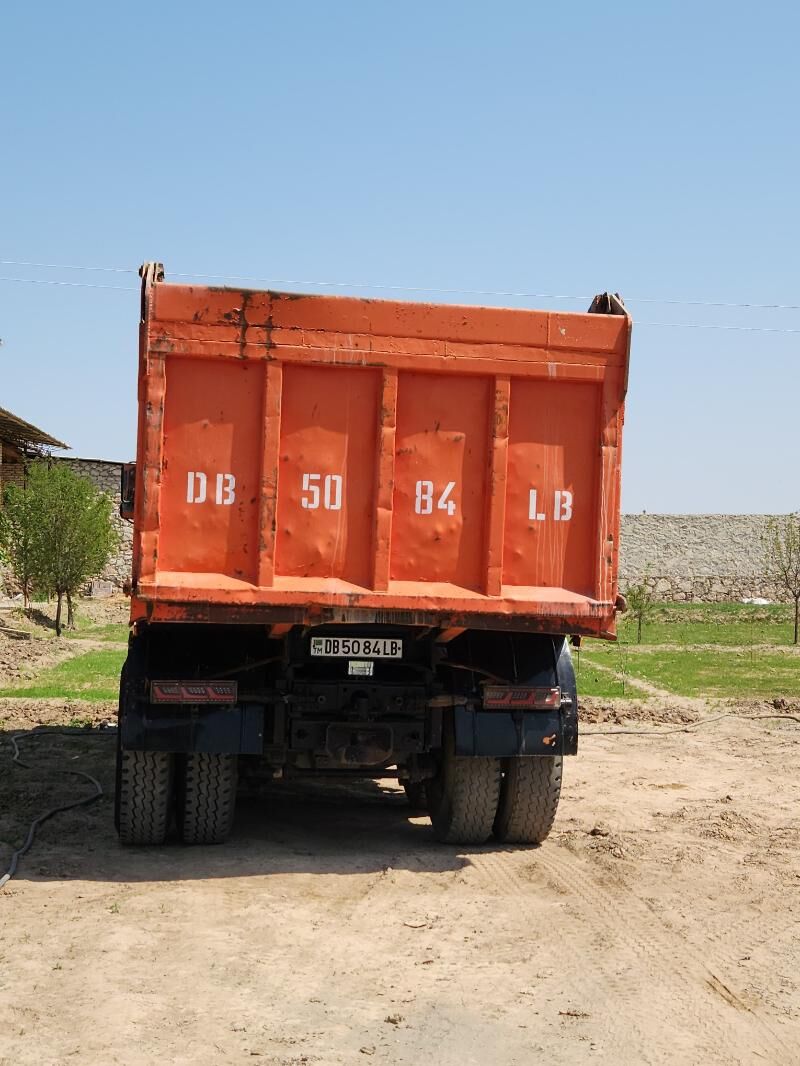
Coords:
pixel 781 542
pixel 641 600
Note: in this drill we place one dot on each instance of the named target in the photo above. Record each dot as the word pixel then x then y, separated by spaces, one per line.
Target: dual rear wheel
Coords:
pixel 473 798
pixel 199 788
pixel 469 800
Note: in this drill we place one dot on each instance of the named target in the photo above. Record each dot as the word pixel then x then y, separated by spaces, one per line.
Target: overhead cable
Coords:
pixel 473 292
pixel 69 284
pixel 68 266
pixel 404 288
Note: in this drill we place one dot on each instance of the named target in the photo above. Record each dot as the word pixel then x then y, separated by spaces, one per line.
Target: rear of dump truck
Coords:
pixel 363 533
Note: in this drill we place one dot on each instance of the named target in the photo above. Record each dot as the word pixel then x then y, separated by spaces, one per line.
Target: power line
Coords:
pixel 297 281
pixel 399 288
pixel 713 303
pixel 405 288
pixel 69 284
pixel 711 325
pixel 68 266
pixel 489 292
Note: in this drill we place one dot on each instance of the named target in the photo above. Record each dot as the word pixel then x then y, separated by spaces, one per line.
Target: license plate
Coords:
pixel 357 647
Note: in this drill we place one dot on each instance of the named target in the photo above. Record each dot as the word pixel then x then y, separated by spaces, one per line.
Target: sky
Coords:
pixel 559 149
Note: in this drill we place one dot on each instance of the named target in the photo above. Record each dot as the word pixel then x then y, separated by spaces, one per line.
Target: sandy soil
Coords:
pixel 660 923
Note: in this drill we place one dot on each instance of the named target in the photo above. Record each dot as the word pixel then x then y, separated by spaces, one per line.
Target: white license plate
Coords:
pixel 357 647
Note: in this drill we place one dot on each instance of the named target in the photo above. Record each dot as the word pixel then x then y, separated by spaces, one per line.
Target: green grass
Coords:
pixel 93 676
pixel 116 632
pixel 716 649
pixel 717 671
pixel 593 680
pixel 720 650
pixel 739 624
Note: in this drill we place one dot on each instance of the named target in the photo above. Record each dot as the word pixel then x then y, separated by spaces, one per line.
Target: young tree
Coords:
pixel 18 541
pixel 69 532
pixel 641 600
pixel 781 543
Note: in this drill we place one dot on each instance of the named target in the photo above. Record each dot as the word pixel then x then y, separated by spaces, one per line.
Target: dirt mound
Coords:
pixel 20 713
pixel 40 619
pixel 23 655
pixel 596 709
pixel 675 710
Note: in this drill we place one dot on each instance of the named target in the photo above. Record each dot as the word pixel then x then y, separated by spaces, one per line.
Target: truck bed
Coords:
pixel 305 459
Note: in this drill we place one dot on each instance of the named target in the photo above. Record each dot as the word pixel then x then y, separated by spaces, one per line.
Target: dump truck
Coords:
pixel 365 535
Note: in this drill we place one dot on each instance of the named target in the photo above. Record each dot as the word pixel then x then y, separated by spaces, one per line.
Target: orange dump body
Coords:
pixel 306 459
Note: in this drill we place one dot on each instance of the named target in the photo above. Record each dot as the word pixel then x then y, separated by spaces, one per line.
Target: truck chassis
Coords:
pixel 474 724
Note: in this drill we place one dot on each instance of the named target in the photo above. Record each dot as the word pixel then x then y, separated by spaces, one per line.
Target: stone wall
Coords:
pixel 106 476
pixel 699 558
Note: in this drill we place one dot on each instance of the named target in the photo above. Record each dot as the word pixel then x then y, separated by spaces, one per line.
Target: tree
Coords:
pixel 781 542
pixel 68 532
pixel 17 539
pixel 641 600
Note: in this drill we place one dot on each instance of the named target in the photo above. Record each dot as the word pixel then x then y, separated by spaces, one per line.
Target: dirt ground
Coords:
pixel 22 656
pixel 660 923
pixel 28 645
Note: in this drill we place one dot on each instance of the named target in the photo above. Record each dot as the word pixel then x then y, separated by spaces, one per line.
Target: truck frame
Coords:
pixel 364 532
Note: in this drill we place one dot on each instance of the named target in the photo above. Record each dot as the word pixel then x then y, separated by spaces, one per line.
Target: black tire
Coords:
pixel 463 797
pixel 144 796
pixel 416 795
pixel 207 798
pixel 528 799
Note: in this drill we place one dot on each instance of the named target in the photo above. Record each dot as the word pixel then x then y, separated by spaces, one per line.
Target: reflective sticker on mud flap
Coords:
pixel 359 668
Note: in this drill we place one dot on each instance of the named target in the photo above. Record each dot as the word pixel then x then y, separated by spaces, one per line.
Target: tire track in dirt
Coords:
pixel 656 945
pixel 623 1037
pixel 729 935
pixel 684 978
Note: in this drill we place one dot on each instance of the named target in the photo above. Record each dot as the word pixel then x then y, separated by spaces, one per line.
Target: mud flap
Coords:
pixel 504 734
pixel 237 730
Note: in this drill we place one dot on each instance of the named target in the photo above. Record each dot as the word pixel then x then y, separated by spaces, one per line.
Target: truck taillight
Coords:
pixel 193 691
pixel 520 698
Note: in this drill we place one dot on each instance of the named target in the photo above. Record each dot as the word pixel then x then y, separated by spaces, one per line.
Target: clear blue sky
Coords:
pixel 557 148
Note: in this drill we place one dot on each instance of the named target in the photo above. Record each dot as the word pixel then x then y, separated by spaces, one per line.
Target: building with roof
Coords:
pixel 19 443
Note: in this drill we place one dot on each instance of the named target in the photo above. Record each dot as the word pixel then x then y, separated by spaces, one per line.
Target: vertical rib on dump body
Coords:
pixel 311 458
